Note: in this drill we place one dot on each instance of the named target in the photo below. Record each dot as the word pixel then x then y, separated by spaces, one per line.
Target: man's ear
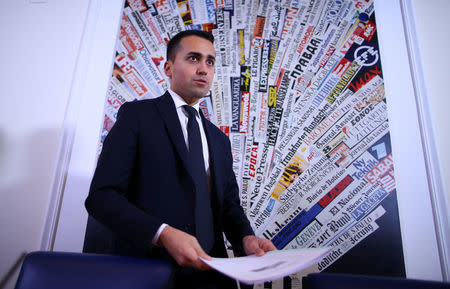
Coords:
pixel 168 68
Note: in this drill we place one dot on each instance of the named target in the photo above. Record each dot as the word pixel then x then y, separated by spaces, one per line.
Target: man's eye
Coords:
pixel 192 58
pixel 210 62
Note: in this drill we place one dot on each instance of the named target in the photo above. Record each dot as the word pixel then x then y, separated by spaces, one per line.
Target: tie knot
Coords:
pixel 192 112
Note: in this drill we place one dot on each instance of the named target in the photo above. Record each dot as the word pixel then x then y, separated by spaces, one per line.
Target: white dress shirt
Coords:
pixel 183 117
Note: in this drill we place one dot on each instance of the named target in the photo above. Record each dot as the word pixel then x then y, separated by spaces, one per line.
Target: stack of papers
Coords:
pixel 273 265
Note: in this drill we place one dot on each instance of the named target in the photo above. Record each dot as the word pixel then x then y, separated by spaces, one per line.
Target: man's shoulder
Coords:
pixel 139 105
pixel 139 110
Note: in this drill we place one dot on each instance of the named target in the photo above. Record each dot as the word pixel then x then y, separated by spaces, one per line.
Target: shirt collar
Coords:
pixel 179 101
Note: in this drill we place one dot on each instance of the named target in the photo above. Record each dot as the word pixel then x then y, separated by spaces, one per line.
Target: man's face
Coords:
pixel 192 71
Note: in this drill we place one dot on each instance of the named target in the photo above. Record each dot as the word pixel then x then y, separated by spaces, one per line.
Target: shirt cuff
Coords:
pixel 158 233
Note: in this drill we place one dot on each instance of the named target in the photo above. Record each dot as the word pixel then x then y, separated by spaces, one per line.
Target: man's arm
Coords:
pixel 238 229
pixel 108 199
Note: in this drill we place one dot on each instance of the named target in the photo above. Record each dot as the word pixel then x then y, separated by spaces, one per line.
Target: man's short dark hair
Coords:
pixel 175 41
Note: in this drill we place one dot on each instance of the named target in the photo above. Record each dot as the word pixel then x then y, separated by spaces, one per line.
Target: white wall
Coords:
pixel 434 41
pixel 39 48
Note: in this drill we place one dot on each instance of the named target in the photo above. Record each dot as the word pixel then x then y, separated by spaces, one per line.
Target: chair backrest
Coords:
pixel 55 270
pixel 349 281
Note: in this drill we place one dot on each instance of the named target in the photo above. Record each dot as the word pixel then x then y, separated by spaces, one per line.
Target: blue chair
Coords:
pixel 348 281
pixel 55 270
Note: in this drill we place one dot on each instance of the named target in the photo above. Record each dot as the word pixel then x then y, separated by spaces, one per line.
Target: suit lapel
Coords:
pixel 169 115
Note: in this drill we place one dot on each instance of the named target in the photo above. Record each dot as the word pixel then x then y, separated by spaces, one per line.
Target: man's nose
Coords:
pixel 202 68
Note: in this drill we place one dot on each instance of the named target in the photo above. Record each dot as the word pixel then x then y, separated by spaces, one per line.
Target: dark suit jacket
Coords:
pixel 142 180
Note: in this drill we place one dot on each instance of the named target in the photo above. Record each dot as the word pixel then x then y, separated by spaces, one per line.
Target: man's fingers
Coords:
pixel 184 248
pixel 268 246
pixel 199 251
pixel 192 259
pixel 200 264
pixel 255 249
pixel 259 252
pixel 205 256
pixel 257 246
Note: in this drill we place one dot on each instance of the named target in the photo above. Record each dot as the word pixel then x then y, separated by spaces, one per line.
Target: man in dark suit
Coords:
pixel 164 184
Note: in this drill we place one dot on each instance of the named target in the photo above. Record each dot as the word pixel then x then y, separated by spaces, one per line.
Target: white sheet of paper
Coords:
pixel 273 265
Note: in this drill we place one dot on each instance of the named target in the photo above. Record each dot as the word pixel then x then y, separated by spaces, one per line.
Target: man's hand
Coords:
pixel 258 246
pixel 184 248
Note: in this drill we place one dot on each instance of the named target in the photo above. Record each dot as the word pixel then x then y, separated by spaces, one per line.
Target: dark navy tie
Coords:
pixel 203 214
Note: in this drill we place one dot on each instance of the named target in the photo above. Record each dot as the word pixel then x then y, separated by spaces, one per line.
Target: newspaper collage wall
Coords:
pixel 299 91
